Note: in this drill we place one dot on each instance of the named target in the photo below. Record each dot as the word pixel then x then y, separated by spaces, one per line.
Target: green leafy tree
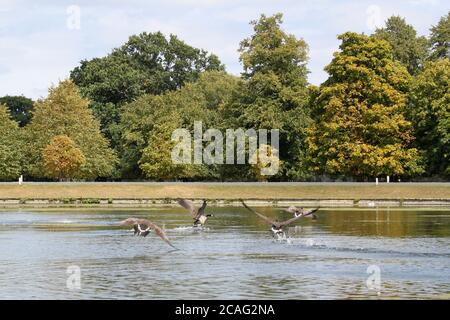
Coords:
pixel 430 114
pixel 20 108
pixel 407 47
pixel 440 39
pixel 156 162
pixel 62 159
pixel 360 128
pixel 66 112
pixel 274 94
pixel 149 63
pixel 11 146
pixel 199 101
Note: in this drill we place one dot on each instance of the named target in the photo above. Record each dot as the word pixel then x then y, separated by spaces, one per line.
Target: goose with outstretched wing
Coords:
pixel 142 227
pixel 302 212
pixel 277 226
pixel 198 215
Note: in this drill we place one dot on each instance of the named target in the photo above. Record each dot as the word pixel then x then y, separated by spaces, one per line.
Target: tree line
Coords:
pixel 384 109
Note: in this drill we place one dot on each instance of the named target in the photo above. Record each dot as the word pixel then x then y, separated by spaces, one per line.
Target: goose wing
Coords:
pixel 259 214
pixel 160 232
pixel 189 205
pixel 288 222
pixel 310 212
pixel 201 211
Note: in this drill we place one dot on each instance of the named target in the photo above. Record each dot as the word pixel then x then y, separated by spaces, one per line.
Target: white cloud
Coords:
pixel 38 49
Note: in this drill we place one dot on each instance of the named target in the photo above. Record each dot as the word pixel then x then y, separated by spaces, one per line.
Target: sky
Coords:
pixel 41 41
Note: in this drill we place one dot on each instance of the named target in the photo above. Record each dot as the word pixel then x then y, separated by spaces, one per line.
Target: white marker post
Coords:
pixel 20 179
pixel 387 179
pixel 376 181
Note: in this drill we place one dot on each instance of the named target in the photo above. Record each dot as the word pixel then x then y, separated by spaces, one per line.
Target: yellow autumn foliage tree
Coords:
pixel 360 129
pixel 62 159
pixel 66 112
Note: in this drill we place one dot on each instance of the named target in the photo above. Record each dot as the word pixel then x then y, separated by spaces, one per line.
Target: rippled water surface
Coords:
pixel 234 258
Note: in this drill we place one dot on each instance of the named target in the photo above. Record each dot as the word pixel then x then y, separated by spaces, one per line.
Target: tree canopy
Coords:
pixel 156 161
pixel 198 101
pixel 407 47
pixel 440 39
pixel 62 158
pixel 274 94
pixel 360 127
pixel 20 108
pixel 11 146
pixel 66 112
pixel 148 63
pixel 430 113
pixel 384 110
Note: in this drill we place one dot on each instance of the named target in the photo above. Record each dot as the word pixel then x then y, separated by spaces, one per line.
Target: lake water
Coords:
pixel 234 258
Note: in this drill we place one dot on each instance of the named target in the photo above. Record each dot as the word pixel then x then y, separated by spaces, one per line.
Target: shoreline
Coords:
pixel 155 194
pixel 157 203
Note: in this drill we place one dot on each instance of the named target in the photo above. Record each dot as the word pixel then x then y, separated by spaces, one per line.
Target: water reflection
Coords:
pixel 388 223
pixel 235 257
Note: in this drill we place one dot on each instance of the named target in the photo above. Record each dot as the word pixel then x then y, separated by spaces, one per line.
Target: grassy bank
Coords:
pixel 225 191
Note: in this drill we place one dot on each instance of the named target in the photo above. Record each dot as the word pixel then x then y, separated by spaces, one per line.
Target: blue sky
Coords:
pixel 39 44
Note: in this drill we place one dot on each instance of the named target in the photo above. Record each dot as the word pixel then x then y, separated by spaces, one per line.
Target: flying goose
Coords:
pixel 301 212
pixel 142 228
pixel 277 226
pixel 198 215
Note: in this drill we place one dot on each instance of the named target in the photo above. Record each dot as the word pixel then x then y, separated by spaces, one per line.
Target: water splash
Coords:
pixel 190 229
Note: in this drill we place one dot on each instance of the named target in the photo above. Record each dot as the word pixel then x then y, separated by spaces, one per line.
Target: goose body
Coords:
pixel 142 227
pixel 277 227
pixel 277 231
pixel 141 230
pixel 198 215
